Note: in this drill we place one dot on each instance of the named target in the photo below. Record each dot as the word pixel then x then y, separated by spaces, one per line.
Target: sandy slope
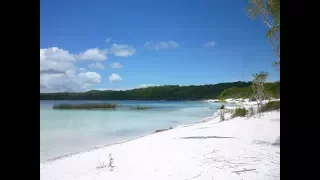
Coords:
pixel 241 148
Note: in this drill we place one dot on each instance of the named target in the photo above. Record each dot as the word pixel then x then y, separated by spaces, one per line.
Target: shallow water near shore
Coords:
pixel 67 131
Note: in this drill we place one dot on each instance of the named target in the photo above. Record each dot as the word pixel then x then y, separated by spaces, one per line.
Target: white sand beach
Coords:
pixel 245 148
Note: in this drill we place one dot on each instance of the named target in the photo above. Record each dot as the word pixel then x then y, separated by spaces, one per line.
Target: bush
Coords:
pixel 270 106
pixel 240 112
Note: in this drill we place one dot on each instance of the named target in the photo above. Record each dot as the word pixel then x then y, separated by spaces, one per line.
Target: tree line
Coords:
pixel 166 92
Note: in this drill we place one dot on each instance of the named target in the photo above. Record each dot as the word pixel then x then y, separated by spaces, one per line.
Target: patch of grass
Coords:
pixel 270 106
pixel 140 107
pixel 85 106
pixel 241 112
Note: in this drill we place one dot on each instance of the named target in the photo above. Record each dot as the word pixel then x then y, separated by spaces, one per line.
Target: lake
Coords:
pixel 67 131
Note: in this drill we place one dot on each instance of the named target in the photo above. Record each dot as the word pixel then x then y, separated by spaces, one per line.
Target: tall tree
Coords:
pixel 269 12
pixel 258 87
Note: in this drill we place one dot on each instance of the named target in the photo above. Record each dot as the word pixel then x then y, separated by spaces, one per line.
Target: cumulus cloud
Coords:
pixel 96 65
pixel 90 77
pixel 210 44
pixel 55 60
pixel 107 40
pixel 82 70
pixel 115 77
pixel 58 72
pixel 93 54
pixel 68 81
pixel 161 45
pixel 116 65
pixel 122 50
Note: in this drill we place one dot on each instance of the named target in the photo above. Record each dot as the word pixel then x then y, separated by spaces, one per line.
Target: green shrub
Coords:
pixel 270 106
pixel 239 112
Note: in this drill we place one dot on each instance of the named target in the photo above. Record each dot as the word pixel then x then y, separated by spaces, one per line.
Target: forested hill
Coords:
pixel 167 92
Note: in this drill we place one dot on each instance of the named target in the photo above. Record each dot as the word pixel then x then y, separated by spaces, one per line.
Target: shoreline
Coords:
pixel 239 148
pixel 111 144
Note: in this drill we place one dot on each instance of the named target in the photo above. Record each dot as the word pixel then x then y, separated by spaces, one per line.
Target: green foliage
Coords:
pixel 168 92
pixel 270 106
pixel 269 12
pixel 241 112
pixel 85 106
pixel 271 90
pixel 235 93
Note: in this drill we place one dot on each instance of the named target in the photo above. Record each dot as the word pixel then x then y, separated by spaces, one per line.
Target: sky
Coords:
pixel 125 44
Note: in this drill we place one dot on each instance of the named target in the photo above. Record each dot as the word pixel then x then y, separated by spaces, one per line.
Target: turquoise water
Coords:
pixel 67 131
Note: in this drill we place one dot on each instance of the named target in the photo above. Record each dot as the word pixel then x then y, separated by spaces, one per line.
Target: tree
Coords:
pixel 269 12
pixel 258 87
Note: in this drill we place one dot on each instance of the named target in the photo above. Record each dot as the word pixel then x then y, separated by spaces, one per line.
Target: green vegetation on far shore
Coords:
pixel 219 91
pixel 167 92
pixel 270 90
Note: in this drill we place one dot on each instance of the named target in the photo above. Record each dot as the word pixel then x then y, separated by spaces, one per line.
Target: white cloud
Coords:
pixel 68 81
pixel 148 85
pixel 83 70
pixel 122 50
pixel 161 45
pixel 90 77
pixel 96 65
pixel 211 44
pixel 55 60
pixel 116 65
pixel 107 40
pixel 58 72
pixel 93 54
pixel 115 77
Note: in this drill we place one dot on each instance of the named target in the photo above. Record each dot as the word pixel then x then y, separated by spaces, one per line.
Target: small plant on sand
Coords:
pixel 222 112
pixel 251 111
pixel 100 164
pixel 111 162
pixel 270 106
pixel 241 112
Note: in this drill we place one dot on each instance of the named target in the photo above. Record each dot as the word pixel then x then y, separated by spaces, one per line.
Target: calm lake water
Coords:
pixel 67 131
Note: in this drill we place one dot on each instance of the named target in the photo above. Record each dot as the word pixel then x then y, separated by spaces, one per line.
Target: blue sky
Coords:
pixel 155 42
